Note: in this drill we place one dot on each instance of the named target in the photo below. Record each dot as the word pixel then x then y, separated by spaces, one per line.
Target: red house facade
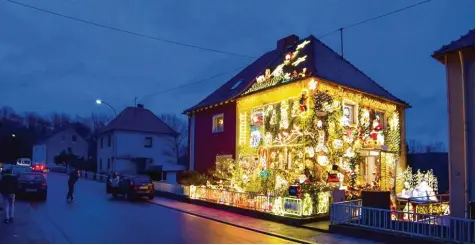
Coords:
pixel 253 117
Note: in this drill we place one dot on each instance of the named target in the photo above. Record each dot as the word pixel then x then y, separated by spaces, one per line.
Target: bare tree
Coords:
pixel 178 144
pixel 415 146
pixel 435 147
pixel 59 120
pixel 6 112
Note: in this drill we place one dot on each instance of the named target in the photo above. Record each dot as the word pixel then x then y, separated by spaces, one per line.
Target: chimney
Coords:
pixel 285 42
pixel 140 106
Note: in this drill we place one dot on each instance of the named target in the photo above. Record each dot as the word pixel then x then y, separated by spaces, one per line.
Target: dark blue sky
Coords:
pixel 48 63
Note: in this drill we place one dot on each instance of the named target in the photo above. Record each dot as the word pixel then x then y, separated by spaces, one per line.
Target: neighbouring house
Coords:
pixel 458 57
pixel 302 109
pixel 134 141
pixel 71 138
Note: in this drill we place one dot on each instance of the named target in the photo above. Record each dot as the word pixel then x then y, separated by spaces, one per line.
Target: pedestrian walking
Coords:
pixel 73 178
pixel 8 186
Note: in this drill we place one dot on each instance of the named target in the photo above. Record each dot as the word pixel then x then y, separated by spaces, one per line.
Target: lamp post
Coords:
pixel 100 102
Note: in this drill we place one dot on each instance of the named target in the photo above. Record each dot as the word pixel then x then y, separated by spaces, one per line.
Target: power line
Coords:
pixel 128 32
pixel 190 84
pixel 376 17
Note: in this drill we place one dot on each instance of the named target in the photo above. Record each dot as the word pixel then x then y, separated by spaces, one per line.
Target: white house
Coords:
pixel 134 141
pixel 458 57
pixel 65 139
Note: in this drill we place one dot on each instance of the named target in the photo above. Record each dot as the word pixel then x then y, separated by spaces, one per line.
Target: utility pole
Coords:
pixel 135 101
pixel 342 42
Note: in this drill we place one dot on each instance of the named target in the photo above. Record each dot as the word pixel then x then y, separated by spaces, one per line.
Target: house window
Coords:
pixel 380 116
pixel 218 123
pixel 349 117
pixel 148 142
pixel 69 150
pixel 109 140
pixel 108 164
pixel 102 142
pixel 73 138
pixel 100 164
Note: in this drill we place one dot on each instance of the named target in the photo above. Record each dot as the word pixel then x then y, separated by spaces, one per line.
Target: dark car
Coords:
pixel 135 187
pixel 38 167
pixel 32 184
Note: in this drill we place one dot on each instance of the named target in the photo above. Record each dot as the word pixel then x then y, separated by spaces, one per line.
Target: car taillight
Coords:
pixel 151 187
pixel 43 184
pixel 135 187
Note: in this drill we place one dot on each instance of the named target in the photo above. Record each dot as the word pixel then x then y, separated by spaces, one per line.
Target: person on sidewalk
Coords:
pixel 73 178
pixel 8 187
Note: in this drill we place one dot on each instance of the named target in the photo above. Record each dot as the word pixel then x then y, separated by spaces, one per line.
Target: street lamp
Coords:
pixel 100 102
pixel 13 135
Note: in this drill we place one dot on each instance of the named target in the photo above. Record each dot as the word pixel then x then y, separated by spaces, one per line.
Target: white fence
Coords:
pixel 171 188
pixel 445 228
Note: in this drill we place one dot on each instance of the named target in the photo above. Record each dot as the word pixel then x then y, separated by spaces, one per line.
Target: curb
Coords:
pixel 235 225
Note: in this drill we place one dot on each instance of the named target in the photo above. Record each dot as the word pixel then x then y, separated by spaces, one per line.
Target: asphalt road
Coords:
pixel 97 218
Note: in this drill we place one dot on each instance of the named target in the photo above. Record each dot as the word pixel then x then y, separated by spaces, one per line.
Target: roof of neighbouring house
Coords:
pixel 79 128
pixel 322 62
pixel 139 120
pixel 463 42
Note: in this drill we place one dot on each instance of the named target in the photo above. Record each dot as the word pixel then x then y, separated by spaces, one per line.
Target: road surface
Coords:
pixel 97 218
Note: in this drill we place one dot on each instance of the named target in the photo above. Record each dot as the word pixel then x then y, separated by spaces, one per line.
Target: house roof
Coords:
pixel 139 120
pixel 79 128
pixel 463 42
pixel 321 61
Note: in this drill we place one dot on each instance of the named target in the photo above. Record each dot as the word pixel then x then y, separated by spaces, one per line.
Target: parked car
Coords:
pixel 24 162
pixel 32 184
pixel 38 167
pixel 18 169
pixel 133 188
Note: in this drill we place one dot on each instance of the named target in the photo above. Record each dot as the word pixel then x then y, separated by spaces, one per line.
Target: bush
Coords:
pixel 192 178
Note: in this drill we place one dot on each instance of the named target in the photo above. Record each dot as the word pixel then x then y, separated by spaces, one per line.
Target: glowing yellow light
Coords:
pixel 299 60
pixel 312 84
pixel 323 160
pixel 303 44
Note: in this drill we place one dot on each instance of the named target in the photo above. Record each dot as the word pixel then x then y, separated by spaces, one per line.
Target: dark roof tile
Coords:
pixel 463 42
pixel 321 62
pixel 138 119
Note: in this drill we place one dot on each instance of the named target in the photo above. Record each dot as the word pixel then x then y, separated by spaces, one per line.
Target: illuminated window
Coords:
pixel 349 113
pixel 380 116
pixel 217 123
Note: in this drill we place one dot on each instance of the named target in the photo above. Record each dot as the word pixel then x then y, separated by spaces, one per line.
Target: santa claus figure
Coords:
pixel 377 132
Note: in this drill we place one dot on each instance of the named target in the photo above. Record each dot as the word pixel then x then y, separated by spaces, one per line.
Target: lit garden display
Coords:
pixel 299 138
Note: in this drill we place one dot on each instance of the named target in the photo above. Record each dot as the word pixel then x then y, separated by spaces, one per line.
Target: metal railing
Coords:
pixel 177 189
pixel 245 200
pixel 445 228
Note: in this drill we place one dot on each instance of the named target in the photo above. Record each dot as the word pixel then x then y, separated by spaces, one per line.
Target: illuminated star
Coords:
pixel 303 44
pixel 299 60
pixel 312 84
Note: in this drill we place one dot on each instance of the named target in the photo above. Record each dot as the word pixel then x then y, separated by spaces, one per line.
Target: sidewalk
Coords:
pixel 25 230
pixel 296 234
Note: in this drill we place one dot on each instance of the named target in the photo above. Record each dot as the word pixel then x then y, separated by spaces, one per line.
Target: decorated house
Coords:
pixel 301 114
